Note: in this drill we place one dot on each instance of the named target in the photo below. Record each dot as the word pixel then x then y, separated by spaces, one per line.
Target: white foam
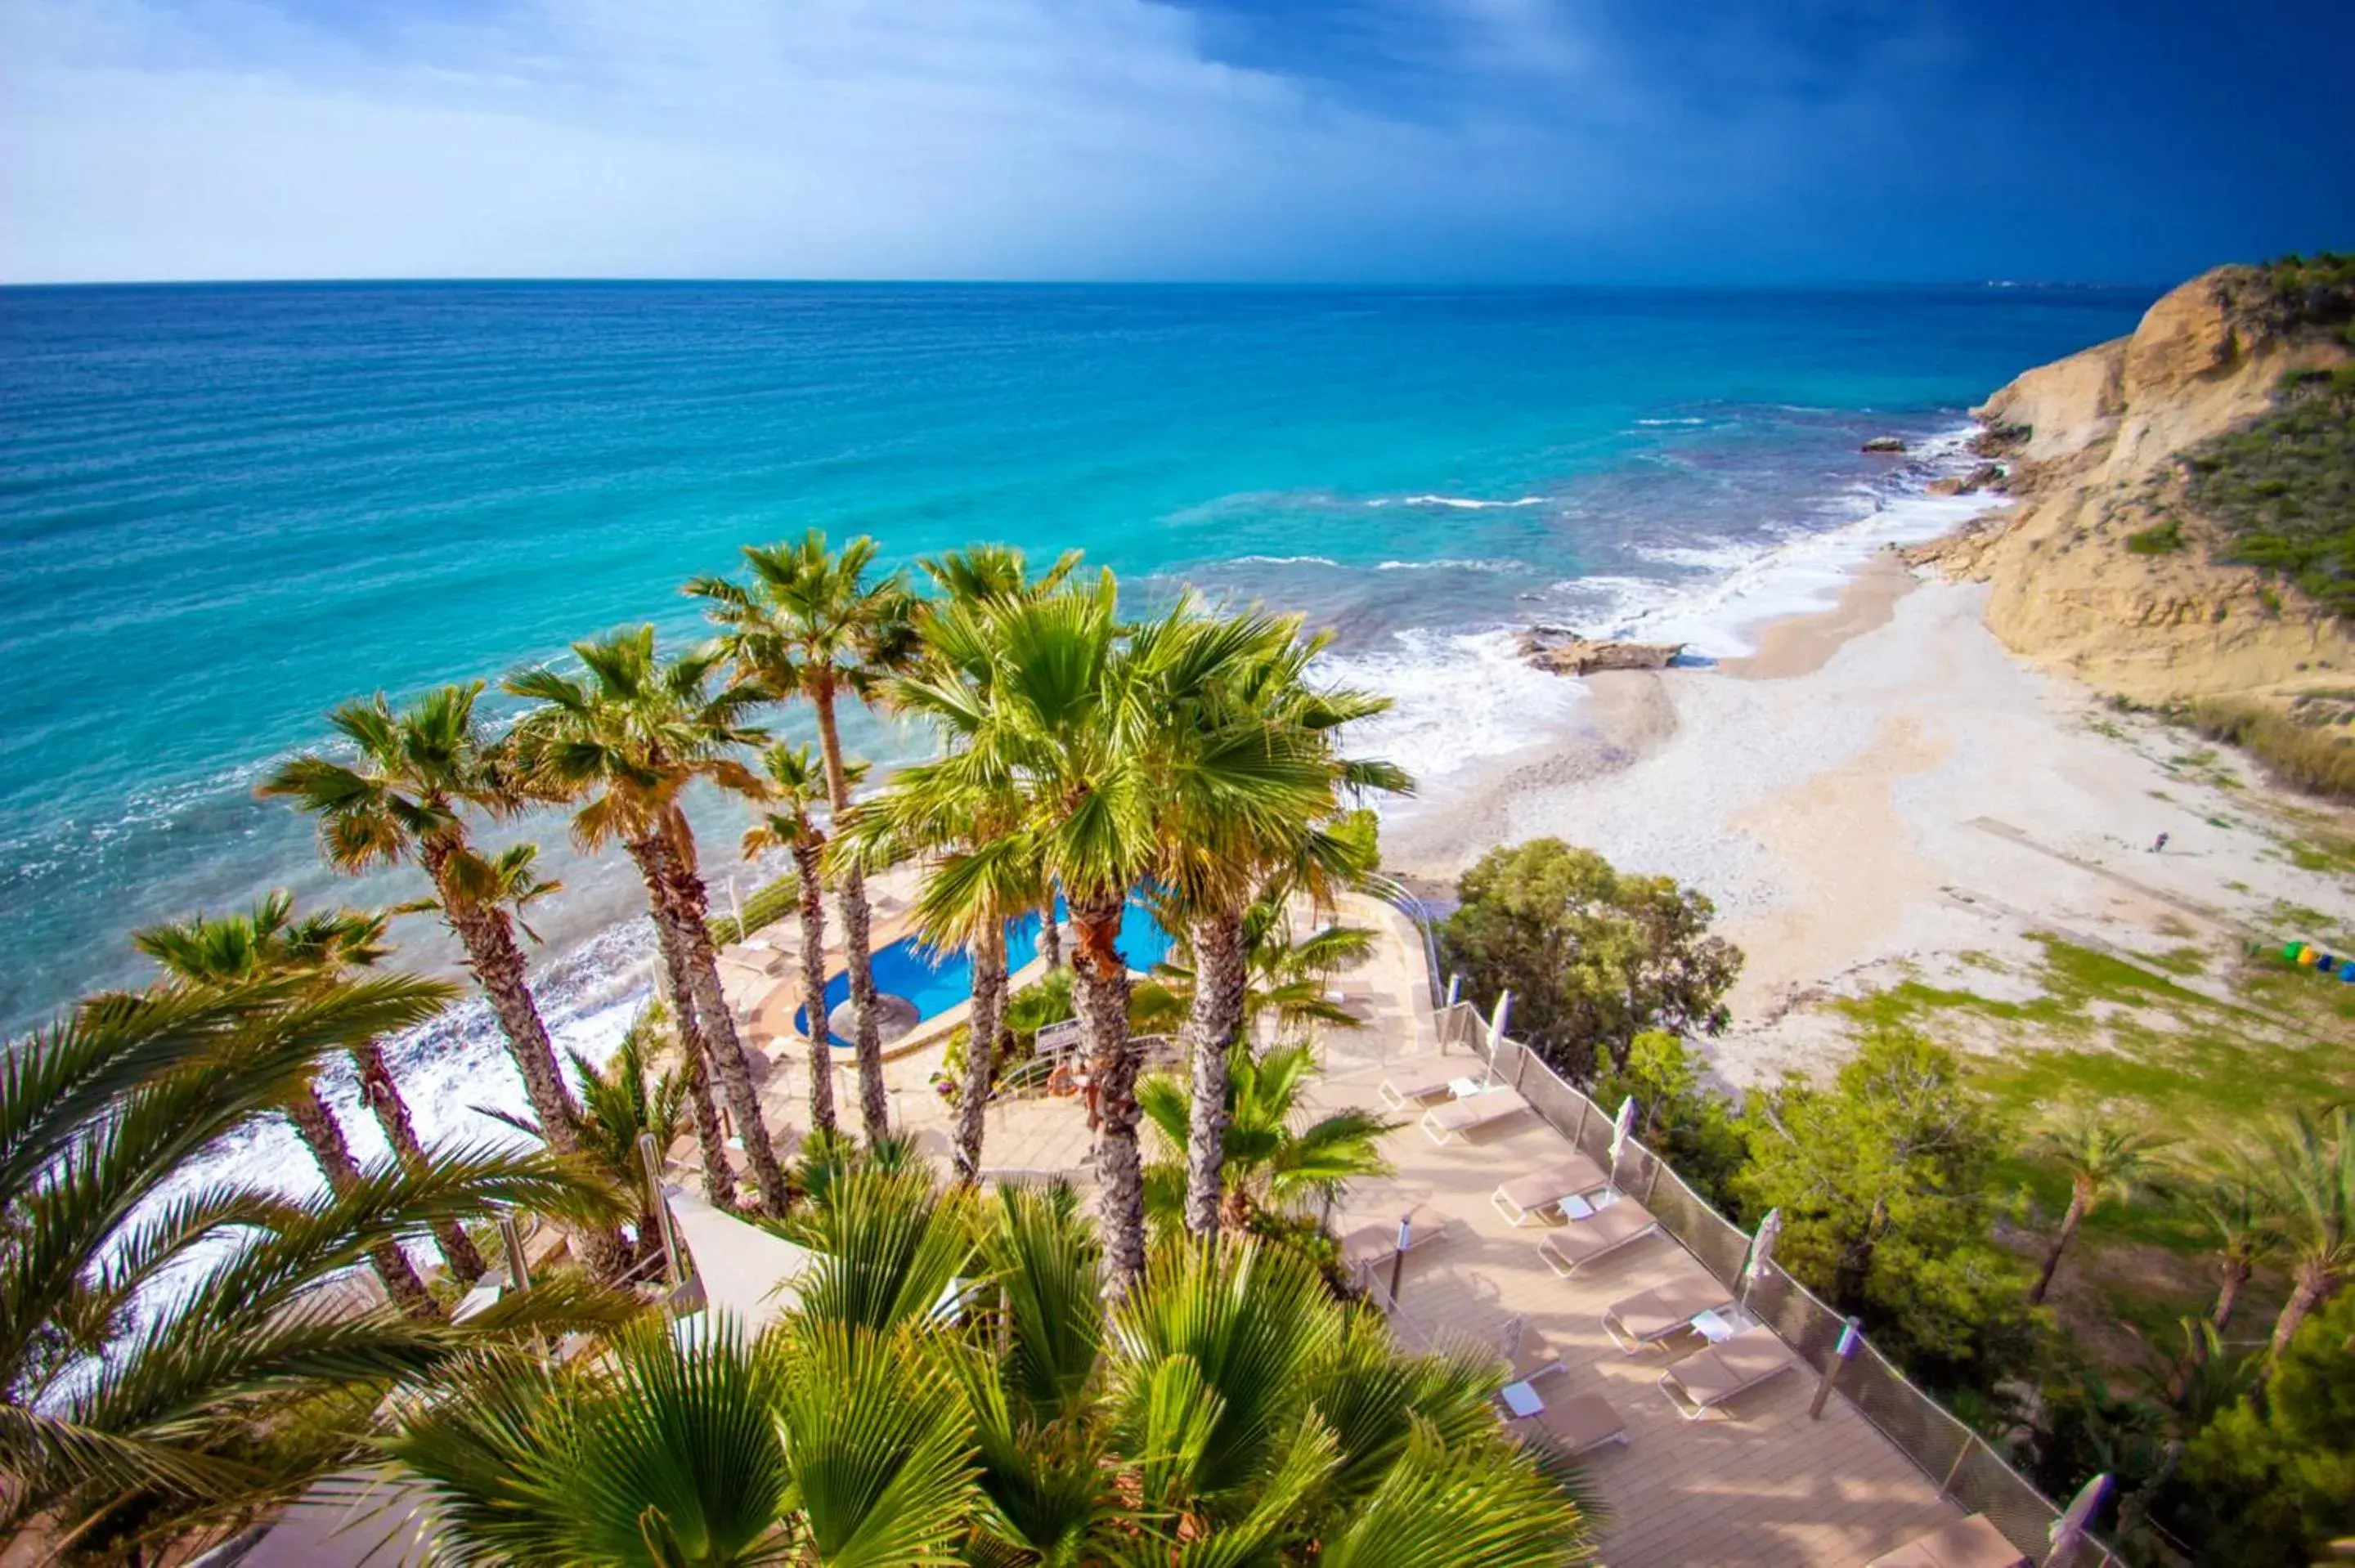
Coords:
pixel 1280 561
pixel 1672 421
pixel 1499 564
pixel 1457 699
pixel 1469 504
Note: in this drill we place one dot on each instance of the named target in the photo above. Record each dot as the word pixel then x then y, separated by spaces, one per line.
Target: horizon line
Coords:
pixel 1398 286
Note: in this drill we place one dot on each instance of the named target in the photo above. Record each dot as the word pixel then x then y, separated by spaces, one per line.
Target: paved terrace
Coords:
pixel 1760 1482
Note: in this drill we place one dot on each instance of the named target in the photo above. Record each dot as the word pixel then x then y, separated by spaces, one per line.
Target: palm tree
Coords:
pixel 418 772
pixel 269 940
pixel 627 1097
pixel 626 743
pixel 794 786
pixel 2307 1166
pixel 812 624
pixel 1270 1162
pixel 2104 1158
pixel 948 1390
pixel 1221 860
pixel 2229 1191
pixel 207 952
pixel 173 1354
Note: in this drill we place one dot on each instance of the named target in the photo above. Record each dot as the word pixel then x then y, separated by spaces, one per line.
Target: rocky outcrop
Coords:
pixel 1565 653
pixel 2102 569
pixel 1883 444
pixel 1987 476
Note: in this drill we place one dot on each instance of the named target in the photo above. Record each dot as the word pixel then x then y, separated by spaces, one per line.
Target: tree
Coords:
pixel 174 1358
pixel 270 941
pixel 2307 1166
pixel 1219 861
pixel 625 744
pixel 627 1097
pixel 1268 1161
pixel 1882 1181
pixel 420 772
pixel 2103 1158
pixel 1677 1114
pixel 213 951
pixel 2278 1470
pixel 1594 956
pixel 1285 975
pixel 1229 1411
pixel 794 786
pixel 812 624
pixel 2229 1192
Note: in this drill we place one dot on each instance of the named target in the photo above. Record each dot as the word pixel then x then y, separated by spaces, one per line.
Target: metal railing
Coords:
pixel 1965 1468
pixel 1393 893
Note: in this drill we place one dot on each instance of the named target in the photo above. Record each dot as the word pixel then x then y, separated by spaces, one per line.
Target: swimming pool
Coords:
pixel 937 981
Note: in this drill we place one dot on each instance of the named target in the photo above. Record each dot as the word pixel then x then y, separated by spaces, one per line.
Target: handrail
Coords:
pixel 1393 892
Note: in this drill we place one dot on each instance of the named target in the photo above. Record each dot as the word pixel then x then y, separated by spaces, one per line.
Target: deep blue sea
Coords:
pixel 224 509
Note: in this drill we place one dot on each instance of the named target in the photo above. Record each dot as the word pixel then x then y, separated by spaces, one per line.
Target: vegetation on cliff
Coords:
pixel 2281 488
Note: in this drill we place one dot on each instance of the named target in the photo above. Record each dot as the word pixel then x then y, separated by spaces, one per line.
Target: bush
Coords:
pixel 770 903
pixel 2277 1472
pixel 1679 1117
pixel 2320 761
pixel 2161 539
pixel 2282 489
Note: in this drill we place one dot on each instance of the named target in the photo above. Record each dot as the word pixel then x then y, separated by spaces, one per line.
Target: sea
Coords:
pixel 225 509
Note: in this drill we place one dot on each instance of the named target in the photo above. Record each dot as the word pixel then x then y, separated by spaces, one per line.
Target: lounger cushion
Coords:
pixel 1563 1180
pixel 1599 1231
pixel 1971 1543
pixel 1580 1421
pixel 1417 1088
pixel 1665 1307
pixel 1725 1369
pixel 1378 1238
pixel 1475 1110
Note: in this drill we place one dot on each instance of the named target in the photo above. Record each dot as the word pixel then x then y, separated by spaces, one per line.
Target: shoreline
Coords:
pixel 1881 792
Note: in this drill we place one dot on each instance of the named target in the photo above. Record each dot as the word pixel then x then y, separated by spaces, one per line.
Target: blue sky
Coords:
pixel 1320 140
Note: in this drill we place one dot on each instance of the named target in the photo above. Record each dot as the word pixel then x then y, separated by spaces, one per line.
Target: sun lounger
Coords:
pixel 1665 1310
pixel 1407 1094
pixel 1458 1119
pixel 1969 1543
pixel 1576 1423
pixel 1597 1236
pixel 1708 1377
pixel 1377 1243
pixel 1532 1355
pixel 1533 1194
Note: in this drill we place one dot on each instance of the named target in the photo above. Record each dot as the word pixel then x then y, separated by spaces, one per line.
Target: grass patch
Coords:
pixel 2281 488
pixel 2159 539
pixel 2315 759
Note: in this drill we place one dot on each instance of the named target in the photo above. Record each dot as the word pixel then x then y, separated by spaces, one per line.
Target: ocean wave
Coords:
pixel 1460 502
pixel 1456 699
pixel 1278 561
pixel 1672 421
pixel 1451 564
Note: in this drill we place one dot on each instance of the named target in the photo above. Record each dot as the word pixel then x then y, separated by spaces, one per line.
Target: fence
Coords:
pixel 1965 1468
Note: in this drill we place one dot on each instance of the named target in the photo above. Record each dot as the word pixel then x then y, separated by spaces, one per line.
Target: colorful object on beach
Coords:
pixel 2293 951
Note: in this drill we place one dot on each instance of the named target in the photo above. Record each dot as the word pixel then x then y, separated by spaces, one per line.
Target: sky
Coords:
pixel 1379 141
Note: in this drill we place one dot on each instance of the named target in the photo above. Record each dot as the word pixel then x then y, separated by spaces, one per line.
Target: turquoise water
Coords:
pixel 936 981
pixel 224 509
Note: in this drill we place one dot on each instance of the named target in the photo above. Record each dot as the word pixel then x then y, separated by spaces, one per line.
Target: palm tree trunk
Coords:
pixel 684 904
pixel 497 963
pixel 1099 990
pixel 316 1126
pixel 2069 1222
pixel 811 892
pixel 459 1253
pixel 1051 934
pixel 874 1105
pixel 2308 1289
pixel 2237 1271
pixel 1212 1025
pixel 710 1138
pixel 980 1049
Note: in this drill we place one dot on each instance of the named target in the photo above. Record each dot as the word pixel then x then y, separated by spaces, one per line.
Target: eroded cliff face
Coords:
pixel 2094 442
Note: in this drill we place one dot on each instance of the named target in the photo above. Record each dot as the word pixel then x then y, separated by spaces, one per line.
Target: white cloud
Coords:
pixel 822 138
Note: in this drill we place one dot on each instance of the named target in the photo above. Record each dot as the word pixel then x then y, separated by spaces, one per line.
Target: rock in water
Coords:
pixel 1565 653
pixel 1883 444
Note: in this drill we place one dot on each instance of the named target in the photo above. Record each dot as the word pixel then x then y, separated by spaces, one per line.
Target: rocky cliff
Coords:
pixel 2101 568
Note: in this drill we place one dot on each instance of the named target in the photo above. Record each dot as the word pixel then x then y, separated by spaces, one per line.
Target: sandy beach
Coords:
pixel 1881 791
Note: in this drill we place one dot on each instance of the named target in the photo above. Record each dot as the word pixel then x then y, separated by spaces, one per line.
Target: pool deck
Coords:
pixel 1760 1484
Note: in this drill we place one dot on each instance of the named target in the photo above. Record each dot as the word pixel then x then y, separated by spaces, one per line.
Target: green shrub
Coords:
pixel 2281 488
pixel 2160 539
pixel 770 903
pixel 2320 761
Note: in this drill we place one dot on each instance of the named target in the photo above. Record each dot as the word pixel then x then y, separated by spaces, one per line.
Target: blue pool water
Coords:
pixel 936 981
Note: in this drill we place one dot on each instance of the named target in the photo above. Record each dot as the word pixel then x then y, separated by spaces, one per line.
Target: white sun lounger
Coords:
pixel 1596 1236
pixel 1708 1377
pixel 1458 1119
pixel 1533 1194
pixel 1376 1243
pixel 1412 1092
pixel 1972 1541
pixel 1638 1321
